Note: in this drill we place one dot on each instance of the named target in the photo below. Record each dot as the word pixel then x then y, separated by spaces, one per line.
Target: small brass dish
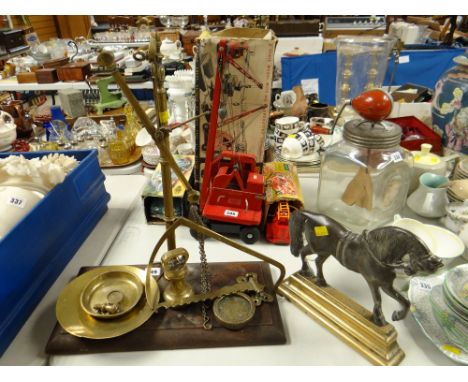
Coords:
pixel 234 311
pixel 111 294
pixel 74 320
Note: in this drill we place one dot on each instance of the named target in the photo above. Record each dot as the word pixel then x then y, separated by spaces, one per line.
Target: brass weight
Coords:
pixel 174 265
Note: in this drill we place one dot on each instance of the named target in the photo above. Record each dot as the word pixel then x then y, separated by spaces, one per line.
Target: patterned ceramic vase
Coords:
pixel 450 106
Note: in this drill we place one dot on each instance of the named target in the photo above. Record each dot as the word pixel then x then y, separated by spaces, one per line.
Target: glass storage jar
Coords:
pixel 364 179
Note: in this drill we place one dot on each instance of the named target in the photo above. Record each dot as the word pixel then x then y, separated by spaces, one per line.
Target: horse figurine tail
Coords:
pixel 296 228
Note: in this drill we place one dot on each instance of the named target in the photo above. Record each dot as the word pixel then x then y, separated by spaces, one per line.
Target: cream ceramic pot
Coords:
pixel 425 161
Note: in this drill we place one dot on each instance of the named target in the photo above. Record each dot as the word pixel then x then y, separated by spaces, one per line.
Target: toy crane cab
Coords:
pixel 232 192
pixel 234 202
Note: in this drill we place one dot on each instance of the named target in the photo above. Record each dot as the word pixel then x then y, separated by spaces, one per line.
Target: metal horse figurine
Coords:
pixel 374 254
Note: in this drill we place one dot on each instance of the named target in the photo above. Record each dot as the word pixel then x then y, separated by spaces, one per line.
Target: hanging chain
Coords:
pixel 205 281
pixel 204 273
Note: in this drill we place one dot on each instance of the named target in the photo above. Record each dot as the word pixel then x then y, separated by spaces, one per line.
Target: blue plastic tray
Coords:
pixel 37 249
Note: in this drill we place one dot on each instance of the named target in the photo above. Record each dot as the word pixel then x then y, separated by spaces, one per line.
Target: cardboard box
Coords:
pixel 252 50
pixel 281 183
pixel 153 199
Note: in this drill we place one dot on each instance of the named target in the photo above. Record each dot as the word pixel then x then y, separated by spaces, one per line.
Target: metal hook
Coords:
pixel 72 44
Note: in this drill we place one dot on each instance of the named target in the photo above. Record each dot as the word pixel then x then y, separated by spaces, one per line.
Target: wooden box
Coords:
pixel 189 40
pixel 55 63
pixel 75 71
pixel 46 75
pixel 26 77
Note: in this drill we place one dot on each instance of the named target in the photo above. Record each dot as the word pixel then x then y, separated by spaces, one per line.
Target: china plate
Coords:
pixel 419 294
pixel 456 283
pixel 455 327
pixel 313 158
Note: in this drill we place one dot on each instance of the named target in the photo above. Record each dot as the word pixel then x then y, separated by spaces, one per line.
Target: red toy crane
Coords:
pixel 231 196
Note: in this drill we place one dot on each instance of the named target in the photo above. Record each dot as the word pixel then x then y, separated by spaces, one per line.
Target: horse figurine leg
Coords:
pixel 321 258
pixel 377 314
pixel 397 314
pixel 306 270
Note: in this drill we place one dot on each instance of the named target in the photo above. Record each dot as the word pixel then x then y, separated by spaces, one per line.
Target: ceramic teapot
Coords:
pixel 171 49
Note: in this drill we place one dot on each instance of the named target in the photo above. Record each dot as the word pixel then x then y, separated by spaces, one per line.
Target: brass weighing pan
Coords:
pixel 77 322
pixel 234 311
pixel 111 294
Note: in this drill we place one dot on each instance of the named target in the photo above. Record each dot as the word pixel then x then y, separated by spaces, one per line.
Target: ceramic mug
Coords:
pixel 319 110
pixel 291 148
pixel 307 140
pixel 288 124
pixel 285 99
pixel 279 137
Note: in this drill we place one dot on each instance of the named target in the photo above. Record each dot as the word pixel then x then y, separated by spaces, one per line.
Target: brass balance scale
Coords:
pixel 107 302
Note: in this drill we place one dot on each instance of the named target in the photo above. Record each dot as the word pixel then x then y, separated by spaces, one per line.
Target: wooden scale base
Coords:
pixel 345 318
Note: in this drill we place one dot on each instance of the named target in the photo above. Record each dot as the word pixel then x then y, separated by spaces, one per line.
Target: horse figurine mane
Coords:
pixel 374 254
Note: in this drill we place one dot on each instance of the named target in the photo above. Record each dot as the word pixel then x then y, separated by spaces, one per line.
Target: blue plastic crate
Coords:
pixel 37 249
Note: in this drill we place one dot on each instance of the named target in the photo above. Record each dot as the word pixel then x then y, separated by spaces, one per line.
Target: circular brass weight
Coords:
pixel 74 319
pixel 234 311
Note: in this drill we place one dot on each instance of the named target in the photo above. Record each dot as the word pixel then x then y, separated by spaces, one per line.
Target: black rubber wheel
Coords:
pixel 250 235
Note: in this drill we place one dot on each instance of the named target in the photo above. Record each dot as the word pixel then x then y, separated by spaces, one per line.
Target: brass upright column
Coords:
pixel 167 193
pixel 159 134
pixel 160 101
